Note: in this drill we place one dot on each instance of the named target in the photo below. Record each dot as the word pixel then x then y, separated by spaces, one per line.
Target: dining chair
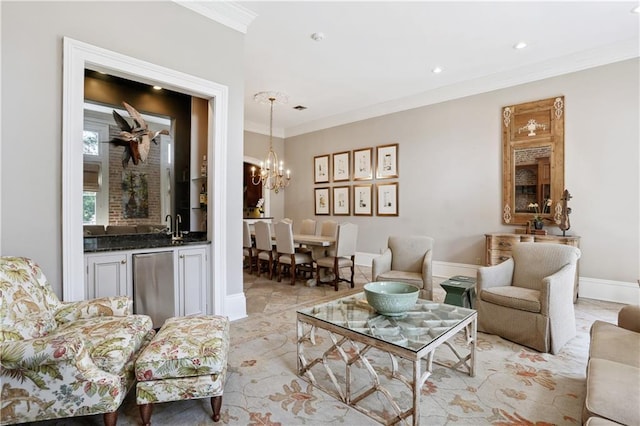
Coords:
pixel 344 255
pixel 308 227
pixel 264 245
pixel 287 254
pixel 287 220
pixel 249 252
pixel 329 228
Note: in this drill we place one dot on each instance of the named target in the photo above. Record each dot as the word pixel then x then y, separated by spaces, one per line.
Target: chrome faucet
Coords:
pixel 177 232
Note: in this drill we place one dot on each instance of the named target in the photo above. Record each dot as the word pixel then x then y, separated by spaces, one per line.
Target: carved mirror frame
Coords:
pixel 533 138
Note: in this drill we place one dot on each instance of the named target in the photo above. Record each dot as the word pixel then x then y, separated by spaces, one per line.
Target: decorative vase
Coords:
pixel 537 224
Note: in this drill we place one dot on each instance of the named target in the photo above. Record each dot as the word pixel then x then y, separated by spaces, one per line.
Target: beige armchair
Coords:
pixel 528 299
pixel 406 259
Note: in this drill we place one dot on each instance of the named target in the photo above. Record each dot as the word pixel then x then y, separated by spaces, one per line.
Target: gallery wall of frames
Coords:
pixel 354 182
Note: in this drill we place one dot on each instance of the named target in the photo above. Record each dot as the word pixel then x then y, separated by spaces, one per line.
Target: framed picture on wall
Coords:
pixel 362 200
pixel 387 161
pixel 341 166
pixel 321 169
pixel 387 199
pixel 321 196
pixel 363 164
pixel 341 204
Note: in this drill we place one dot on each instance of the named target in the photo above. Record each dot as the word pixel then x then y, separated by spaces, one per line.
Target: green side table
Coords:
pixel 460 290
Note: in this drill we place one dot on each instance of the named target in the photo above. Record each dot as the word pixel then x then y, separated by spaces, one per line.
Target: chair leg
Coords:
pixel 353 264
pixel 145 413
pixel 110 419
pixel 336 272
pixel 293 274
pixel 216 404
pixel 292 269
pixel 270 266
pixel 279 268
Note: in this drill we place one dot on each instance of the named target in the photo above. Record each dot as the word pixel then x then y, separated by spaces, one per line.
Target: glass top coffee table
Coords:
pixel 345 361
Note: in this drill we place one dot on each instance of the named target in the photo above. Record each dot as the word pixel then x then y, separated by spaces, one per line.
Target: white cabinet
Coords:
pixel 108 275
pixel 192 280
pixel 111 274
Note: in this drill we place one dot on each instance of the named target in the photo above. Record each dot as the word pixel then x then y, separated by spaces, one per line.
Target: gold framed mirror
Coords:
pixel 533 161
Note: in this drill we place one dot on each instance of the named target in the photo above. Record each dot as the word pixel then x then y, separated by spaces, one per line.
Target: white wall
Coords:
pixel 450 167
pixel 165 34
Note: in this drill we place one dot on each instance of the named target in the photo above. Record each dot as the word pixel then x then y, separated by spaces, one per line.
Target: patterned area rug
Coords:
pixel 512 386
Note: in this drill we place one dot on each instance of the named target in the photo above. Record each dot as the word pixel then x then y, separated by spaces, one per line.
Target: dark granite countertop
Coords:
pixel 101 243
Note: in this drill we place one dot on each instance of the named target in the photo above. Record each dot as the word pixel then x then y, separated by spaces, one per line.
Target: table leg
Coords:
pixel 417 386
pixel 474 337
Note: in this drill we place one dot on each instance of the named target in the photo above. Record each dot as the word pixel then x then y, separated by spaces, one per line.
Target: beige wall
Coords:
pixel 31 153
pixel 450 169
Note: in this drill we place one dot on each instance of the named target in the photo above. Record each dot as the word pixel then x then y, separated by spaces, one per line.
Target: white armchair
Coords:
pixel 406 259
pixel 528 299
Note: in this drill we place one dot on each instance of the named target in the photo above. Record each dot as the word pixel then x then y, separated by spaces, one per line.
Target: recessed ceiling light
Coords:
pixel 157 88
pixel 520 45
pixel 635 9
pixel 436 70
pixel 317 36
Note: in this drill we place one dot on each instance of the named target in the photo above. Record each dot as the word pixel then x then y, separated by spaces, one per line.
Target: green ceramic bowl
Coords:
pixel 391 298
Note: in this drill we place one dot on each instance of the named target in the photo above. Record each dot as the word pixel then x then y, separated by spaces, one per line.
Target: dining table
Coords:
pixel 318 245
pixel 313 240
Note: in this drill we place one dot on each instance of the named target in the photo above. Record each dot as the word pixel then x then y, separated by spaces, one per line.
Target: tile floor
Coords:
pixel 264 295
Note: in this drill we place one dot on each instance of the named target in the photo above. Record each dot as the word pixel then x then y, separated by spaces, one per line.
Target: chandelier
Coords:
pixel 272 174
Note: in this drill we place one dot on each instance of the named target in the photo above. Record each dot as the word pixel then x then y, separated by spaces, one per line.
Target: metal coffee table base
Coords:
pixel 361 346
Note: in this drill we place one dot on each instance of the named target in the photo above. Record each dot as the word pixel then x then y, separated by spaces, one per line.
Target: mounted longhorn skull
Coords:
pixel 136 140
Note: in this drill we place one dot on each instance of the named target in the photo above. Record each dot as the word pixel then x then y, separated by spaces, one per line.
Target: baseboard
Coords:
pixel 442 270
pixel 445 270
pixel 590 288
pixel 609 290
pixel 235 306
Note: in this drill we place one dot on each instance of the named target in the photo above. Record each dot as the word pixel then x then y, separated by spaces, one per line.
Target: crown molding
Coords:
pixel 226 13
pixel 626 49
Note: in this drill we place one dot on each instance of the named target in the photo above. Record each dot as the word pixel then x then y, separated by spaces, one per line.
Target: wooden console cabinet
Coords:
pixel 499 245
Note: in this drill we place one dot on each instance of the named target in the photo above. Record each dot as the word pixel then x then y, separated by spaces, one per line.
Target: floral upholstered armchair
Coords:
pixel 63 359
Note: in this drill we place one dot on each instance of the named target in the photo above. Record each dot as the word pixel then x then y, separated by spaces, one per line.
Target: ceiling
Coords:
pixel 377 57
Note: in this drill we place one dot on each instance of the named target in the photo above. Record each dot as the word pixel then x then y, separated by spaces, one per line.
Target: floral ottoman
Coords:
pixel 187 359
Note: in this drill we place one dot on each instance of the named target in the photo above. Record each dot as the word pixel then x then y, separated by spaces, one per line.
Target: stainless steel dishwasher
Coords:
pixel 153 286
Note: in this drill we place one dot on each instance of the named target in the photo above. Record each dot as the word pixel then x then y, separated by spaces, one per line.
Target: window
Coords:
pixel 95 194
pixel 89 207
pixel 91 143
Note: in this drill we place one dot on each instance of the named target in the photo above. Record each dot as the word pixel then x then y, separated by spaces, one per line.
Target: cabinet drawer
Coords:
pixel 557 240
pixel 498 256
pixel 502 242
